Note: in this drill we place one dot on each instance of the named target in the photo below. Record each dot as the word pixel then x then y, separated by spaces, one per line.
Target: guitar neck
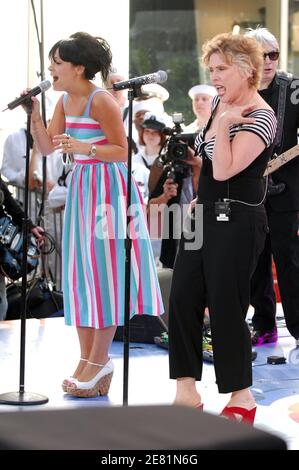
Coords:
pixel 281 159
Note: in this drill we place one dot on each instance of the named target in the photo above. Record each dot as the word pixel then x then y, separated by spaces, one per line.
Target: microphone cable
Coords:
pixel 49 247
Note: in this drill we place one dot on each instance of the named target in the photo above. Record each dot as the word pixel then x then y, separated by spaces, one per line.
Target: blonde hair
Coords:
pixel 243 51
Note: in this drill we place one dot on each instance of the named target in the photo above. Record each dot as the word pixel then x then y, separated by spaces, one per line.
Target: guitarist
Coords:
pixel 282 206
pixel 8 205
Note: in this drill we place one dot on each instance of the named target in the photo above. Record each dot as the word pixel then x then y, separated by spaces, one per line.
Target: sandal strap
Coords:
pixel 232 411
pixel 96 364
pixel 82 359
pixel 236 410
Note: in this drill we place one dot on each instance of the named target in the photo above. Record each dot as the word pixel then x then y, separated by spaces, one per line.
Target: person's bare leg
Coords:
pixel 98 353
pixel 242 398
pixel 186 392
pixel 86 338
pixel 241 407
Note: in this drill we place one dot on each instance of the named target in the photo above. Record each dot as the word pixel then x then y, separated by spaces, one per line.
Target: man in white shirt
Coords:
pixel 201 96
pixel 14 155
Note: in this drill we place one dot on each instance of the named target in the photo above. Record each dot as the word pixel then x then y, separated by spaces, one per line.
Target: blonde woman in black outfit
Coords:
pixel 235 147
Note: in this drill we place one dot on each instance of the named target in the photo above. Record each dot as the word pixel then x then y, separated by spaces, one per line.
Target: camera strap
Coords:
pixel 145 163
pixel 154 181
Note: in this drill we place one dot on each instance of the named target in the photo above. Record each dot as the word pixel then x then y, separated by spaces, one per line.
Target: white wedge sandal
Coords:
pixel 70 379
pixel 98 385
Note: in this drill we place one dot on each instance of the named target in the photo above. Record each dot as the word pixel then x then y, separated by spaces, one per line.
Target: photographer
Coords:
pixel 152 140
pixel 173 181
pixel 9 206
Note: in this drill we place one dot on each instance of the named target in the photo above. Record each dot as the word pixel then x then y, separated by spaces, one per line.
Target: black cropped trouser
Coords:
pixel 216 275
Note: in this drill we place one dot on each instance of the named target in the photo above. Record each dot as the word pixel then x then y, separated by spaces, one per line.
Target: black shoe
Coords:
pixel 259 337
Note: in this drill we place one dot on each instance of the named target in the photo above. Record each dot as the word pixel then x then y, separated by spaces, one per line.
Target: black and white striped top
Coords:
pixel 264 126
pixel 248 185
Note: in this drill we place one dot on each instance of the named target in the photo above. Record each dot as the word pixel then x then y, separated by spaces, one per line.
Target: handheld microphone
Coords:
pixel 157 77
pixel 43 86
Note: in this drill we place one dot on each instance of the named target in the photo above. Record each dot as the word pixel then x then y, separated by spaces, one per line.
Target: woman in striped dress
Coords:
pixel 87 124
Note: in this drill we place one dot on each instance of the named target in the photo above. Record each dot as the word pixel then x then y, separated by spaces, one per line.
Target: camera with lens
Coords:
pixel 174 152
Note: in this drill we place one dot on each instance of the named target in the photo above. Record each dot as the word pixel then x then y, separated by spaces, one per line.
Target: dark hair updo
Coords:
pixel 80 48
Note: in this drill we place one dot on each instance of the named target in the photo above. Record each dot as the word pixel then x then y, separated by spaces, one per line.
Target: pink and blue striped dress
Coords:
pixel 93 274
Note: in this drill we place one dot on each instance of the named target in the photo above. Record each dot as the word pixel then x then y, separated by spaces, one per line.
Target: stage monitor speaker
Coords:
pixel 128 428
pixel 144 328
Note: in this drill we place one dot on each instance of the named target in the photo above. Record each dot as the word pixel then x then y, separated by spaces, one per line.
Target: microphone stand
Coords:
pixel 46 273
pixel 132 93
pixel 21 397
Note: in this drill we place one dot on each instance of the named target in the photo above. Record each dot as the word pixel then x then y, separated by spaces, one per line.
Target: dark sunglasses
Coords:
pixel 273 55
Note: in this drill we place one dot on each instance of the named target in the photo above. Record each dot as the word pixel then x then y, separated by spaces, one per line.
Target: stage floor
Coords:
pixel 52 351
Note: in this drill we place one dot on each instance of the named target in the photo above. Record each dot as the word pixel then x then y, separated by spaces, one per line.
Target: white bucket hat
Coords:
pixel 153 90
pixel 153 105
pixel 202 89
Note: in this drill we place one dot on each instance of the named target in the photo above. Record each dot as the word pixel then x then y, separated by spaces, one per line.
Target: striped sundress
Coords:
pixel 93 268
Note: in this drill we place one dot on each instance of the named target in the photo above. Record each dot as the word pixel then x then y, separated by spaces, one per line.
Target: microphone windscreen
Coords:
pixel 162 76
pixel 45 85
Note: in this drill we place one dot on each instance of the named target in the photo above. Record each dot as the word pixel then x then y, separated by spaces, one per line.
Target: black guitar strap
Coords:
pixel 283 82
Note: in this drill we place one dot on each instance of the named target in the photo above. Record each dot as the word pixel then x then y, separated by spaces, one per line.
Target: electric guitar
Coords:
pixel 281 159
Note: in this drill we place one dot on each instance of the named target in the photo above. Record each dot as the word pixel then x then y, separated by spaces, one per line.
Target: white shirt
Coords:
pixel 192 128
pixel 54 166
pixel 14 153
pixel 14 161
pixel 144 159
pixel 141 176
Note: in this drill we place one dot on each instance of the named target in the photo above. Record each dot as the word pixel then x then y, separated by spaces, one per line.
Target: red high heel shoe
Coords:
pixel 246 416
pixel 199 406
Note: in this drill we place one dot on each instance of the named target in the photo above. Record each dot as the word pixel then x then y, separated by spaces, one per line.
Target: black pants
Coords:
pixel 218 276
pixel 283 243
